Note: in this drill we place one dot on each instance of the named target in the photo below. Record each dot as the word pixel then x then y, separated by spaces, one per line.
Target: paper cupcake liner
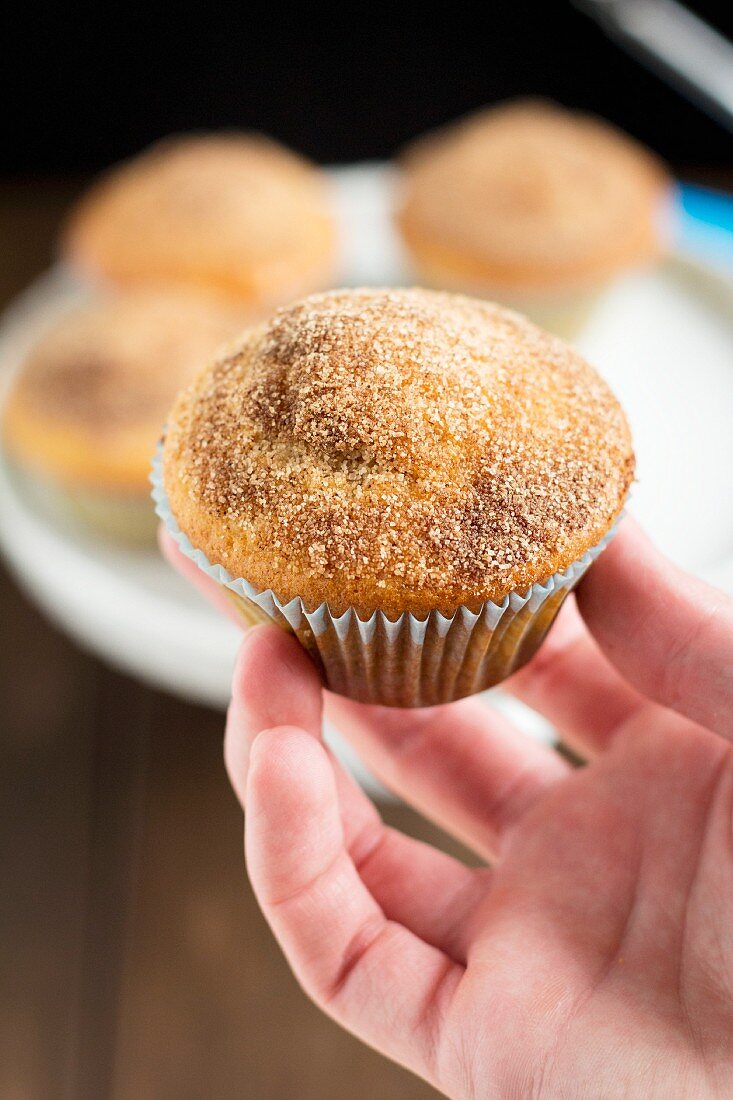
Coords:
pixel 407 661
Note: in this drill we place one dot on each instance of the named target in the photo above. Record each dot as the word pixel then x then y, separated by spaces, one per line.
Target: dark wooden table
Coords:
pixel 134 962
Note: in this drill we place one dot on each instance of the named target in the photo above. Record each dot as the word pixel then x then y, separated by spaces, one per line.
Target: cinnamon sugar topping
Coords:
pixel 397 448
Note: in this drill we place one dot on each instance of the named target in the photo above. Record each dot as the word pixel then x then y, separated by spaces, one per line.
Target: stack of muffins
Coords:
pixel 411 481
pixel 181 248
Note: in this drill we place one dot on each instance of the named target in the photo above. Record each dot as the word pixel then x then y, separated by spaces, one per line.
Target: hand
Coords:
pixel 594 958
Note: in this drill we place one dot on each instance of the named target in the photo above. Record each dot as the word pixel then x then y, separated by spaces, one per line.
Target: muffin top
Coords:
pixel 90 400
pixel 396 449
pixel 528 194
pixel 237 213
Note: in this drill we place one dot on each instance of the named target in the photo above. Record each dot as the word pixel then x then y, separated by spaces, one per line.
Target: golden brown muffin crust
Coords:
pixel 234 212
pixel 527 194
pixel 397 449
pixel 90 400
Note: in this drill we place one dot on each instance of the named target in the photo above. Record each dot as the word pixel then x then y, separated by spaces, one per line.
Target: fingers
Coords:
pixel 427 891
pixel 275 684
pixel 462 765
pixel 669 634
pixel 371 974
pixel 574 686
pixel 654 627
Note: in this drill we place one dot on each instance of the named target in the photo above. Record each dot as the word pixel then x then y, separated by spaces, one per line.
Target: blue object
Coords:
pixel 704 224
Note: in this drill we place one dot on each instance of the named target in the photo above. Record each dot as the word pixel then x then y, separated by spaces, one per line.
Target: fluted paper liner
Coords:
pixel 407 661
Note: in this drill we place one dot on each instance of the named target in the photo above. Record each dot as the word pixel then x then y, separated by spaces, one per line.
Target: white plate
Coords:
pixel 663 339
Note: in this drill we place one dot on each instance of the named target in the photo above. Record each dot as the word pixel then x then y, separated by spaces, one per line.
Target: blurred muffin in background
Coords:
pixel 235 214
pixel 88 405
pixel 532 205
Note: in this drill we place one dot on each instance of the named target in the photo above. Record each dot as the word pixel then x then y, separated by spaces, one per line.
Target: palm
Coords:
pixel 595 957
pixel 602 952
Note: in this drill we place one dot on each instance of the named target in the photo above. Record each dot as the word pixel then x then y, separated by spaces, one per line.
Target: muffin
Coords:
pixel 88 405
pixel 235 214
pixel 411 481
pixel 532 205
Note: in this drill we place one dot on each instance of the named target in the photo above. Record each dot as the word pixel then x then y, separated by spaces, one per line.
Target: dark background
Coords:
pixel 88 84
